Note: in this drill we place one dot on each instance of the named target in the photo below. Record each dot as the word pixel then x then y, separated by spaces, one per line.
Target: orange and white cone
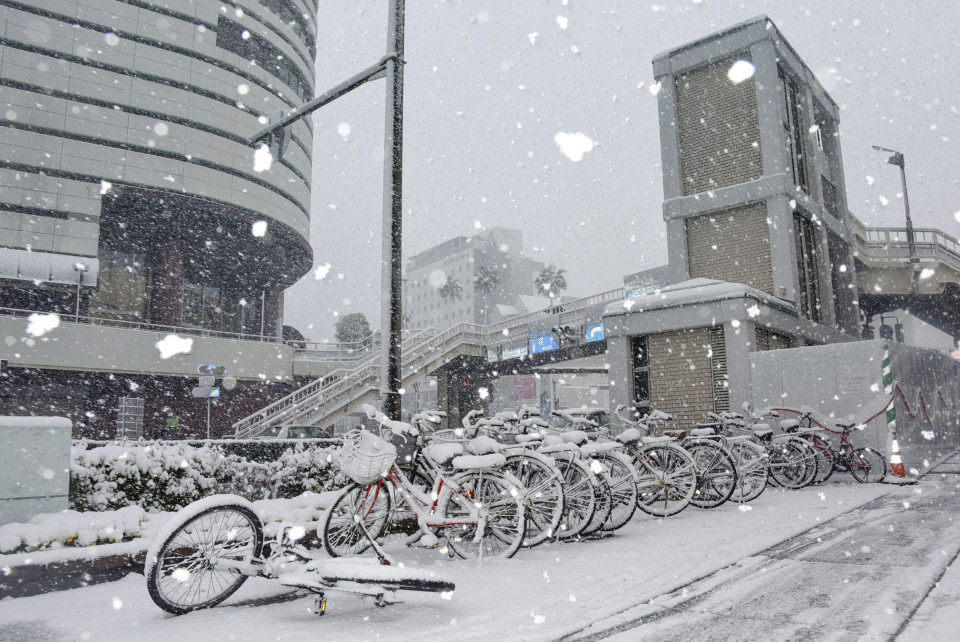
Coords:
pixel 897 473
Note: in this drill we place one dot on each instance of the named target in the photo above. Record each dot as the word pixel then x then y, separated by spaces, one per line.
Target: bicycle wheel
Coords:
pixel 825 457
pixel 623 489
pixel 579 497
pixel 180 571
pixel 542 494
pixel 497 497
pixel 604 503
pixel 867 465
pixel 752 471
pixel 667 479
pixel 342 535
pixel 793 464
pixel 716 473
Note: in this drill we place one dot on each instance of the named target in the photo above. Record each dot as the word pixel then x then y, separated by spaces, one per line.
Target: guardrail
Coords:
pixel 66 317
pixel 890 244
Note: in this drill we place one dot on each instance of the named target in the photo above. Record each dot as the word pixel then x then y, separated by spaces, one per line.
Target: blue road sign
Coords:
pixel 595 332
pixel 543 342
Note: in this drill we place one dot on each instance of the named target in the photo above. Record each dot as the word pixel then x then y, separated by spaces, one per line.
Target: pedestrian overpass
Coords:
pixel 346 376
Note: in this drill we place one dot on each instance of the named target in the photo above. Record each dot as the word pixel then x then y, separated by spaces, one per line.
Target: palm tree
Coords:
pixel 450 291
pixel 486 281
pixel 551 282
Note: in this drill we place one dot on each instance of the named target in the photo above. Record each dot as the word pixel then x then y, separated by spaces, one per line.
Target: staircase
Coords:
pixel 346 390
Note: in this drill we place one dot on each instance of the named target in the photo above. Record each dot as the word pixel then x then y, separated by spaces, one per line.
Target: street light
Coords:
pixel 79 268
pixel 897 159
pixel 391 68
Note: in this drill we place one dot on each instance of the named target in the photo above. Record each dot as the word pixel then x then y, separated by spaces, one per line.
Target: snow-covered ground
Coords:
pixel 545 593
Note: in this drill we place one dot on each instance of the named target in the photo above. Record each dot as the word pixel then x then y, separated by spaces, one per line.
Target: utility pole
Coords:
pixel 391 68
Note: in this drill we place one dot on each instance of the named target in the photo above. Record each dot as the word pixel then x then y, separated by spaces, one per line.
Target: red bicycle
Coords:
pixel 866 464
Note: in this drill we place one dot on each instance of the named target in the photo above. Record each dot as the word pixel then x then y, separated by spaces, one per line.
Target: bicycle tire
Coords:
pixel 825 458
pixel 623 490
pixel 604 502
pixel 793 464
pixel 716 473
pixel 579 497
pixel 667 478
pixel 180 577
pixel 542 491
pixel 753 471
pixel 498 494
pixel 867 465
pixel 342 536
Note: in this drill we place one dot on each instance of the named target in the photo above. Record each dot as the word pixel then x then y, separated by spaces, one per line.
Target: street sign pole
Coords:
pixel 208 418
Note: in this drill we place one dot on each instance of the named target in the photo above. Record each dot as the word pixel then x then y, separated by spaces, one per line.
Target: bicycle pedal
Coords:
pixel 320 605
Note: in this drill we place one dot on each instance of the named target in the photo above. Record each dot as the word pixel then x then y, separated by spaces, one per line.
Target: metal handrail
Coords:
pixel 318 395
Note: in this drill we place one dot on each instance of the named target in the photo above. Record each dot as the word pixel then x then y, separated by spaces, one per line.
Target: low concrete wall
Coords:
pixel 34 466
pixel 845 382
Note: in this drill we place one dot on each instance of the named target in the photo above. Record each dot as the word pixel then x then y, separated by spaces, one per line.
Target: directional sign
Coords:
pixel 955 354
pixel 595 332
pixel 543 342
pixel 216 371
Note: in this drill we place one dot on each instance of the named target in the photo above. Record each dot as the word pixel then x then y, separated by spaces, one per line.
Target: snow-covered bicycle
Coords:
pixel 205 552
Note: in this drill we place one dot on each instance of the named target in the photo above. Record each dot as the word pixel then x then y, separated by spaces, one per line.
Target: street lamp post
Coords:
pixel 897 159
pixel 391 68
pixel 79 268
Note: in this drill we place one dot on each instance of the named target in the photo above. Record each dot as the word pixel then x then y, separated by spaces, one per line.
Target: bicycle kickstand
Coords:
pixel 385 559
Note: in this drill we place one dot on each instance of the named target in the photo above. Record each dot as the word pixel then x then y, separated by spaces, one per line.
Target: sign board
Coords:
pixel 543 342
pixel 595 332
pixel 513 353
pixel 211 370
pixel 955 354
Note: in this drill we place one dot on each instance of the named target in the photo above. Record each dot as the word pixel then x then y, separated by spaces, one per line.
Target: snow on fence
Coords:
pixel 845 383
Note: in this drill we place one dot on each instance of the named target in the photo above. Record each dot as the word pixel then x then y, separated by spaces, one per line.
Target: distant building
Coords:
pixel 130 207
pixel 500 251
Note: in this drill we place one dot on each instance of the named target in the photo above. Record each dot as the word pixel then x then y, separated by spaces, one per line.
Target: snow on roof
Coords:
pixel 693 292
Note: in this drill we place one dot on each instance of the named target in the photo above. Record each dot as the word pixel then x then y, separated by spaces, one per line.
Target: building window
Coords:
pixel 641 374
pixel 285 11
pixel 718 366
pixel 130 418
pixel 123 291
pixel 230 36
pixel 794 130
pixel 808 278
pixel 201 306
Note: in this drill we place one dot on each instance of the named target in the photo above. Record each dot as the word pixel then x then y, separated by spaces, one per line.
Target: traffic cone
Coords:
pixel 897 473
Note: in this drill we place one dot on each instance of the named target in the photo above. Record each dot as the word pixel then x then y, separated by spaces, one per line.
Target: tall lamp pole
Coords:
pixel 274 134
pixel 897 159
pixel 80 269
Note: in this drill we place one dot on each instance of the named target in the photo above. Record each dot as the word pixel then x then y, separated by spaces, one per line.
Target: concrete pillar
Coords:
pixel 740 339
pixel 621 377
pixel 769 115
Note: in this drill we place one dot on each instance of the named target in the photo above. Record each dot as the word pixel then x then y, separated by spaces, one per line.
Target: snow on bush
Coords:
pixel 164 476
pixel 72 528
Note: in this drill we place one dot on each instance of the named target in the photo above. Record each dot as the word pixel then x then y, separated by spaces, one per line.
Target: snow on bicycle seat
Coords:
pixel 483 445
pixel 595 448
pixel 470 462
pixel 533 438
pixel 326 573
pixel 577 437
pixel 657 440
pixel 443 453
pixel 629 436
pixel 703 432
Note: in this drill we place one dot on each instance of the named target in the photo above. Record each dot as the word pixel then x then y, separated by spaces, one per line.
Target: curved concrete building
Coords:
pixel 128 197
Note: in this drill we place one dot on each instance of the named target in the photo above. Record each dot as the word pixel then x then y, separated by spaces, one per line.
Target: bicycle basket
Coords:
pixel 365 457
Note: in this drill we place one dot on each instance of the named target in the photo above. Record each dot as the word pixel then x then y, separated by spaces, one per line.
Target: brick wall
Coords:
pixel 733 245
pixel 681 378
pixel 719 128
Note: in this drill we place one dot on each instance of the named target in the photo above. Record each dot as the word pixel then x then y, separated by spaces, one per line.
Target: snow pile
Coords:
pixel 71 528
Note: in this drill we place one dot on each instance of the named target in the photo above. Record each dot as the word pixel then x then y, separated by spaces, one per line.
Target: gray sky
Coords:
pixel 485 97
